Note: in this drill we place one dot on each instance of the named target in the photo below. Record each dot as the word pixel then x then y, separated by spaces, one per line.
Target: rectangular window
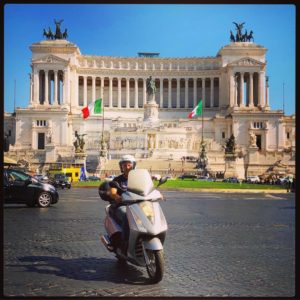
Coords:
pixel 41 140
pixel 223 135
pixel 288 135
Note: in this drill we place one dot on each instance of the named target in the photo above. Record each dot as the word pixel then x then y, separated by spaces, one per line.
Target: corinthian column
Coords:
pixel 241 89
pixel 169 93
pixel 110 92
pixel 203 91
pixel 161 91
pixel 55 88
pixel 119 93
pixel 144 91
pixel 231 89
pixel 136 91
pixel 101 89
pixel 212 92
pixel 127 93
pixel 36 86
pixel 186 99
pixel 195 92
pixel 251 89
pixel 93 88
pixel 46 88
pixel 84 91
pixel 178 93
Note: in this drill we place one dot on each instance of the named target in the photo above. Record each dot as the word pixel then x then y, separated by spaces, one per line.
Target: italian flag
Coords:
pixel 197 111
pixel 95 107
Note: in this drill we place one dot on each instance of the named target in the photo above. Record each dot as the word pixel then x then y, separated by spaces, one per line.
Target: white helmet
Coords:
pixel 125 158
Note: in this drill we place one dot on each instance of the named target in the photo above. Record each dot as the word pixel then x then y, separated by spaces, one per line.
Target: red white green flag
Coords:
pixel 94 107
pixel 197 111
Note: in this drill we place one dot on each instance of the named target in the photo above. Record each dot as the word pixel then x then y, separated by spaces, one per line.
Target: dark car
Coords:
pixel 60 180
pixel 231 180
pixel 20 187
pixel 188 176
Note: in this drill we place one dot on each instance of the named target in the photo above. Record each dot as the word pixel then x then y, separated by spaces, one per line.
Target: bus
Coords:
pixel 72 171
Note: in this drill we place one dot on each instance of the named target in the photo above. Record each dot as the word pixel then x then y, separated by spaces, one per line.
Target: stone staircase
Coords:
pixel 154 166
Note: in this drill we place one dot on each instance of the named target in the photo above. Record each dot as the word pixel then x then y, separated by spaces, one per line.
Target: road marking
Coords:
pixel 274 197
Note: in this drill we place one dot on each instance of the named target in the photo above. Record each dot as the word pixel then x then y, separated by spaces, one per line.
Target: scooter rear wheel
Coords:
pixel 155 268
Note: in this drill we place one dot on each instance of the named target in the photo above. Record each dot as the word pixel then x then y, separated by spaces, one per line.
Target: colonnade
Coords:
pixel 131 92
pixel 52 87
pixel 248 89
pixel 47 87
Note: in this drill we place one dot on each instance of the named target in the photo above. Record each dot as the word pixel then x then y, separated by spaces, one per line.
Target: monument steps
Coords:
pixel 154 165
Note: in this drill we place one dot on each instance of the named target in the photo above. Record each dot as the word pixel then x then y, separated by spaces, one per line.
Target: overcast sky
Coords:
pixel 173 30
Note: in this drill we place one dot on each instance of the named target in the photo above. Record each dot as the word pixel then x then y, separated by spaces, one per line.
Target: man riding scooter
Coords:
pixel 117 210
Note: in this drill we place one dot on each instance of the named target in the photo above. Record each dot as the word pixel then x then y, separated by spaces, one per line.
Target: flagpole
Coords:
pixel 283 98
pixel 202 121
pixel 102 122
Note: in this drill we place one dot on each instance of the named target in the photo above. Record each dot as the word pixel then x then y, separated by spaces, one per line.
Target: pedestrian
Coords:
pixel 289 184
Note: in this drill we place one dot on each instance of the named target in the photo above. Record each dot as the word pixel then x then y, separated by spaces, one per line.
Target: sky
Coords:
pixel 173 30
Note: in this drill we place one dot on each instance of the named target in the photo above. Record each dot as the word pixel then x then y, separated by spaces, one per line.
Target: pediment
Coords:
pixel 246 61
pixel 50 59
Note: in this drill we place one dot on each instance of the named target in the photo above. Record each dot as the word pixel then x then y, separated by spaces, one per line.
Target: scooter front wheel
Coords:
pixel 155 264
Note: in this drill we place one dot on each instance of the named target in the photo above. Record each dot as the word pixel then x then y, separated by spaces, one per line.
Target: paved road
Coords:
pixel 217 245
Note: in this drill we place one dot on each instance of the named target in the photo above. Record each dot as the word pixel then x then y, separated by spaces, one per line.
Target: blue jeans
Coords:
pixel 119 215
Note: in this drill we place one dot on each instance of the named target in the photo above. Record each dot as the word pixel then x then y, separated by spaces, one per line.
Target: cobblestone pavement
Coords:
pixel 217 244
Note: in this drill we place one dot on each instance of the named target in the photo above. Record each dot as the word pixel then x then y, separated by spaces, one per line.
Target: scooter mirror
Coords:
pixel 162 180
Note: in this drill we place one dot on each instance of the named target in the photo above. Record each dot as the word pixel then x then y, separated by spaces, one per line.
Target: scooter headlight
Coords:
pixel 136 222
pixel 148 210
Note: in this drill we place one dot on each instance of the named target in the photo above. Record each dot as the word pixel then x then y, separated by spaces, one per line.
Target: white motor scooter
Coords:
pixel 147 224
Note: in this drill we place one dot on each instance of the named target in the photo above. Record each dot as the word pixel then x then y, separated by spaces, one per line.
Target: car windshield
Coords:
pixel 59 176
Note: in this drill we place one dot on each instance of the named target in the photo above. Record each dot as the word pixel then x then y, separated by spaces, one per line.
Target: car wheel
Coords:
pixel 44 199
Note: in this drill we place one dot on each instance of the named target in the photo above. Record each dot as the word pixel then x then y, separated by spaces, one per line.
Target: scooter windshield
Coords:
pixel 140 182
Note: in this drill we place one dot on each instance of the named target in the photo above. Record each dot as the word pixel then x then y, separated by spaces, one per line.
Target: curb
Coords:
pixel 230 190
pixel 281 191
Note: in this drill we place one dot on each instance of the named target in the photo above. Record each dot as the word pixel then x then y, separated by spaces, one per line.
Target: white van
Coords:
pixel 253 179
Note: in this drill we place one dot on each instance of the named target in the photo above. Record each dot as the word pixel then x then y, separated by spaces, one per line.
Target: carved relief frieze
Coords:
pixel 52 59
pixel 247 62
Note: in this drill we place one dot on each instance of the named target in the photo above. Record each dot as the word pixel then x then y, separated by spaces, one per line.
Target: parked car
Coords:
pixel 188 176
pixel 20 187
pixel 41 177
pixel 231 180
pixel 93 178
pixel 60 180
pixel 253 179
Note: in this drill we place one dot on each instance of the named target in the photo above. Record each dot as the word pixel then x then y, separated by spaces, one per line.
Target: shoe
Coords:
pixel 110 247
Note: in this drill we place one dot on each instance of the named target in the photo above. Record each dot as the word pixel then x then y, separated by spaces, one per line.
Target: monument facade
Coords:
pixel 146 101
